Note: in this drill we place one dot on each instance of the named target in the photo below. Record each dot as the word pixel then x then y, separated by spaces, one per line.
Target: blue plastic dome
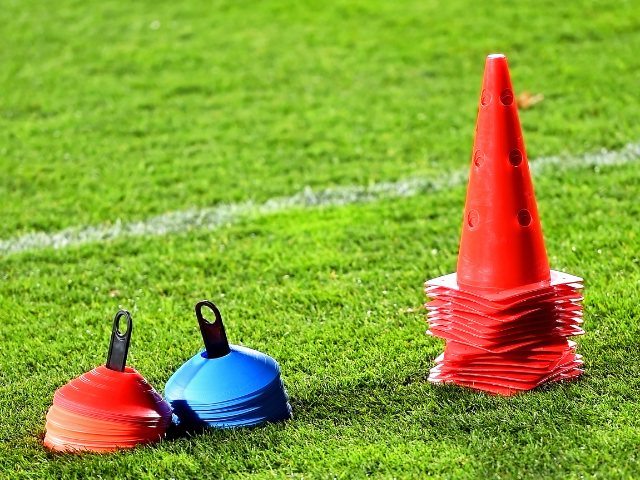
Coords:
pixel 226 385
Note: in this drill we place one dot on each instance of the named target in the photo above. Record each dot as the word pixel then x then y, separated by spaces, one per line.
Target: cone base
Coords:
pixel 504 390
pixel 504 343
pixel 450 281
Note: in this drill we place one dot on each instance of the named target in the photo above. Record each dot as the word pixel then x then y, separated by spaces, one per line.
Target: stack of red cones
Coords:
pixel 504 315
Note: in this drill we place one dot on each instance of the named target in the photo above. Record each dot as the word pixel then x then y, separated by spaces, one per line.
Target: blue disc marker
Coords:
pixel 226 386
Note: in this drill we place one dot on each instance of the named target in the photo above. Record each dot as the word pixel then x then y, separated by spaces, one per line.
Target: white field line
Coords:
pixel 227 213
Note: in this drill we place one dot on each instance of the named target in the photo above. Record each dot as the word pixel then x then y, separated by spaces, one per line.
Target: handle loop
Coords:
pixel 119 344
pixel 213 334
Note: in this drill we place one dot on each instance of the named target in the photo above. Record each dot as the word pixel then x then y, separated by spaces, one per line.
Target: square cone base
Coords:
pixel 508 341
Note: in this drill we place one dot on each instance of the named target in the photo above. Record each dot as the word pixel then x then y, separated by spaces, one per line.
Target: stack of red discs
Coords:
pixel 110 407
pixel 504 314
pixel 505 344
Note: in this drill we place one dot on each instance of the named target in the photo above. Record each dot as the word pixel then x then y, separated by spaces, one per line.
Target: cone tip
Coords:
pixel 495 56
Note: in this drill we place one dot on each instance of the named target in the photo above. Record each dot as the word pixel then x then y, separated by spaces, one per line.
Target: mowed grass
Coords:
pixel 103 117
pixel 300 286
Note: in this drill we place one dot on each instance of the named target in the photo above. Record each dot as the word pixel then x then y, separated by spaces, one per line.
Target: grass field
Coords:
pixel 124 111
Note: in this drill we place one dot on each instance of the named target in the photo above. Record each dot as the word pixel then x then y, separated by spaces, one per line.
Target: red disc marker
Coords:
pixel 110 407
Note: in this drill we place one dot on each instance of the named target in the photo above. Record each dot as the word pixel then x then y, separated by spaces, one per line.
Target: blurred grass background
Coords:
pixel 124 110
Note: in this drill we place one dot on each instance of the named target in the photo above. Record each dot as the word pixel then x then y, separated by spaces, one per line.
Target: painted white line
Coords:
pixel 213 217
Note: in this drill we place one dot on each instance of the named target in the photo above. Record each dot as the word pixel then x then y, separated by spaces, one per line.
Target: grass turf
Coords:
pixel 248 100
pixel 104 117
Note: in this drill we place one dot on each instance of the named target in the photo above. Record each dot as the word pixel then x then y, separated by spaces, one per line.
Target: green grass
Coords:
pixel 102 117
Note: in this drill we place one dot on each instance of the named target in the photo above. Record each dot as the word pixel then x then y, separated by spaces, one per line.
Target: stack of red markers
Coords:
pixel 109 407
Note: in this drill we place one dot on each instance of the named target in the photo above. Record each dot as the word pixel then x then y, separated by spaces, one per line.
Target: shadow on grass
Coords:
pixel 438 408
pixel 192 425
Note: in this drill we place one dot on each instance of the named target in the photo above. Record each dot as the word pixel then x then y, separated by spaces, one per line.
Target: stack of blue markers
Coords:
pixel 226 385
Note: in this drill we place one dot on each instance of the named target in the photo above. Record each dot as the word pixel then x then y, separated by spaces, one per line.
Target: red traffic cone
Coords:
pixel 502 245
pixel 505 315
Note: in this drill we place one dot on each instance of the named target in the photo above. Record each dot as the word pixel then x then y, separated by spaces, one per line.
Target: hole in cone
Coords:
pixel 524 218
pixel 478 158
pixel 486 97
pixel 506 97
pixel 473 218
pixel 515 157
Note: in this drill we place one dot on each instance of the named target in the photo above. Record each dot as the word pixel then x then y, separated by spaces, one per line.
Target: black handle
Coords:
pixel 213 334
pixel 119 345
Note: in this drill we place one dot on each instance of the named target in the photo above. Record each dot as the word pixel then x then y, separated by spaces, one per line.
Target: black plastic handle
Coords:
pixel 213 334
pixel 119 345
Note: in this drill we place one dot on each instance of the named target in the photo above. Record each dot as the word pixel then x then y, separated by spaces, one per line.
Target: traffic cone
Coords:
pixel 505 316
